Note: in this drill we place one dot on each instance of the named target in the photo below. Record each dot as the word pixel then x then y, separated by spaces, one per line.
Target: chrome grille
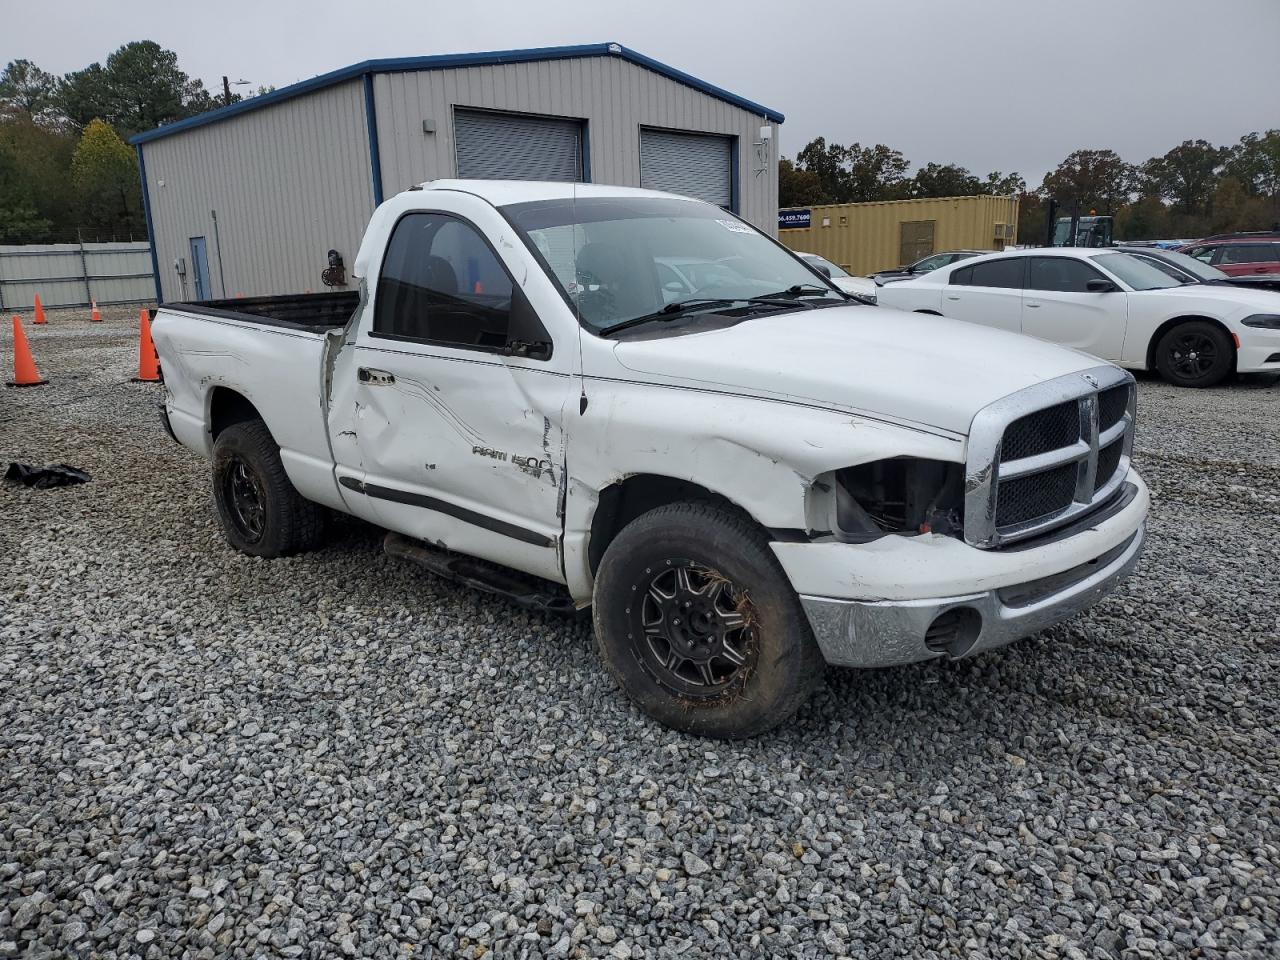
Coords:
pixel 1112 405
pixel 1023 499
pixel 1046 455
pixel 1108 460
pixel 1041 432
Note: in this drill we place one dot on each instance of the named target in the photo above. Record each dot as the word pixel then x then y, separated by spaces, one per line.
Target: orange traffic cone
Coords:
pixel 148 362
pixel 25 373
pixel 95 316
pixel 39 311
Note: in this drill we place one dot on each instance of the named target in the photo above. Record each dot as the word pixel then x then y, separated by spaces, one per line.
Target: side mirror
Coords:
pixel 824 270
pixel 1100 286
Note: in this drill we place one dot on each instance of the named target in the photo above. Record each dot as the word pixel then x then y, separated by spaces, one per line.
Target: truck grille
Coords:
pixel 1041 432
pixel 1039 495
pixel 1048 454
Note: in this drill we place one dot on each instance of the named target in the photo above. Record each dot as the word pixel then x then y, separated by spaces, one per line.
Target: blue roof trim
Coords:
pixel 447 61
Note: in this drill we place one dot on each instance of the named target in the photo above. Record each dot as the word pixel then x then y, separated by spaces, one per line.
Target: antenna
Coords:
pixel 577 300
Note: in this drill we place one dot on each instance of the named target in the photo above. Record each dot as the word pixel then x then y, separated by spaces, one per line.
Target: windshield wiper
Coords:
pixel 789 299
pixel 799 290
pixel 669 312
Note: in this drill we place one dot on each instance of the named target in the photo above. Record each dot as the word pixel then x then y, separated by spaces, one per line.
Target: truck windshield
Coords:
pixel 622 258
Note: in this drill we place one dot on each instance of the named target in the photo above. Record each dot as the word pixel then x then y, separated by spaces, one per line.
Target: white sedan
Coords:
pixel 1110 304
pixel 864 287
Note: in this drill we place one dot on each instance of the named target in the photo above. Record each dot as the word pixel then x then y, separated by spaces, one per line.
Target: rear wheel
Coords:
pixel 261 512
pixel 1195 354
pixel 699 625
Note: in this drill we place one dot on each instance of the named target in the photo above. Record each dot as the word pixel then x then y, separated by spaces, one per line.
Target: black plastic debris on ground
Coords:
pixel 50 475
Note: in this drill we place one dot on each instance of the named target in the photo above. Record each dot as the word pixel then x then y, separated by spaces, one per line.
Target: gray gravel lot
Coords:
pixel 203 754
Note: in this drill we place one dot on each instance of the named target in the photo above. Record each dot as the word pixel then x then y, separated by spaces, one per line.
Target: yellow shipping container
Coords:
pixel 866 237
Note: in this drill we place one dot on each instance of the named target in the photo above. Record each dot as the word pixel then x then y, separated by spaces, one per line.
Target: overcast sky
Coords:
pixel 989 84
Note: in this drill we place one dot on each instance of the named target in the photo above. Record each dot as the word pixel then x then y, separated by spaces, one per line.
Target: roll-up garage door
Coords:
pixel 506 146
pixel 692 164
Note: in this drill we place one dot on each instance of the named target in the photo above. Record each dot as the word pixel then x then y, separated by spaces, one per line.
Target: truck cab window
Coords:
pixel 441 283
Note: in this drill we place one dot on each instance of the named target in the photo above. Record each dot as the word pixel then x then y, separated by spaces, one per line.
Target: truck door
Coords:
pixel 1058 306
pixel 459 398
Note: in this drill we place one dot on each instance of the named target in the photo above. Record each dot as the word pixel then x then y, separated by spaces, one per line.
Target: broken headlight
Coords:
pixel 901 495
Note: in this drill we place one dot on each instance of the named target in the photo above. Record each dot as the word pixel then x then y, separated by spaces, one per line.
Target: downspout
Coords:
pixel 151 229
pixel 371 121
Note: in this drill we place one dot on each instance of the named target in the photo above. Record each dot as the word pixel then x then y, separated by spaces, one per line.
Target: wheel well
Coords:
pixel 1175 321
pixel 226 407
pixel 636 495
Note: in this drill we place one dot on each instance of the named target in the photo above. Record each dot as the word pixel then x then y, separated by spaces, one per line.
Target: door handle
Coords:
pixel 373 377
pixel 952 296
pixel 1034 306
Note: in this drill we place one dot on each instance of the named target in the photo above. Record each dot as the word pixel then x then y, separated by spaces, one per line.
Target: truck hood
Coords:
pixel 901 366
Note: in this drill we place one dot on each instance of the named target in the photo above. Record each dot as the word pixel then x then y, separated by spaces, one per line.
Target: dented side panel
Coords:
pixel 276 370
pixel 761 455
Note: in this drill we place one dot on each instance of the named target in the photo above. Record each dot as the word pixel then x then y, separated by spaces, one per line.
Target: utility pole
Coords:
pixel 226 89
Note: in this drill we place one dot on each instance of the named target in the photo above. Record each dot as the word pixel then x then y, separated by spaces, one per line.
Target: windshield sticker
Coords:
pixel 733 226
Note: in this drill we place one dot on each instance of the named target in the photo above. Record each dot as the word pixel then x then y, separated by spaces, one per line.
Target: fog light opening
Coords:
pixel 954 631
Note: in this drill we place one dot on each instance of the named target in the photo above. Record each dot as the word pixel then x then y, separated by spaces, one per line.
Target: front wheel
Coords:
pixel 699 625
pixel 1195 354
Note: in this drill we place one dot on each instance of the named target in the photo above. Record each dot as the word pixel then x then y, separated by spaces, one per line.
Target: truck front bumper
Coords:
pixel 897 614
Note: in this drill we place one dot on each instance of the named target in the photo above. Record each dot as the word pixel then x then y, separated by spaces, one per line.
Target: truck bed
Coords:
pixel 307 311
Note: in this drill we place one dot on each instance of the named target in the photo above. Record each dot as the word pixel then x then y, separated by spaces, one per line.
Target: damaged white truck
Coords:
pixel 596 396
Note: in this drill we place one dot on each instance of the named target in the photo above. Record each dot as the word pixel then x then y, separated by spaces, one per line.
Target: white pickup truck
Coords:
pixel 597 396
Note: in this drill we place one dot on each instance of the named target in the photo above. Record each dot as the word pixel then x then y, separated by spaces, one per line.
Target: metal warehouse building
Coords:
pixel 250 198
pixel 866 237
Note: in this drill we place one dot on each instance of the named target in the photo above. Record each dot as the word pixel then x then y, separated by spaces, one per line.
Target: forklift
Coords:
pixel 1078 231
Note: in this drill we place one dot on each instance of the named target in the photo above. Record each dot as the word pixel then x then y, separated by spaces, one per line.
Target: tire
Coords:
pixel 738 680
pixel 247 469
pixel 1195 354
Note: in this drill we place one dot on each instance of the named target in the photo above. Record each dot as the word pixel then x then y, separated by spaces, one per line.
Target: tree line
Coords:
pixel 65 167
pixel 1193 190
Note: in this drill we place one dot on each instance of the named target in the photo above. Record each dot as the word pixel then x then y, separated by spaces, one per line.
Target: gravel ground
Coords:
pixel 207 755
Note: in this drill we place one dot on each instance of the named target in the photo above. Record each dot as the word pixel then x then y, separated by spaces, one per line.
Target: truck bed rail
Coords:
pixel 308 311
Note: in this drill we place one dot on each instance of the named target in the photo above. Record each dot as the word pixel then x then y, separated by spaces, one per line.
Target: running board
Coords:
pixel 532 593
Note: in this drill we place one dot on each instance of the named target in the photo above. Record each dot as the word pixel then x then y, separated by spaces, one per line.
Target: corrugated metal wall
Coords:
pixel 293 179
pixel 288 182
pixel 865 237
pixel 614 96
pixel 71 275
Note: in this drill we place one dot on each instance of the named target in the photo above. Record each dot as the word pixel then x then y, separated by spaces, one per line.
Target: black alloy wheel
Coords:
pixel 691 629
pixel 697 621
pixel 261 512
pixel 1195 353
pixel 245 498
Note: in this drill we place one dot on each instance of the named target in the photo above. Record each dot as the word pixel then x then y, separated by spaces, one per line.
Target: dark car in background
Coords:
pixel 1182 267
pixel 935 261
pixel 1252 260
